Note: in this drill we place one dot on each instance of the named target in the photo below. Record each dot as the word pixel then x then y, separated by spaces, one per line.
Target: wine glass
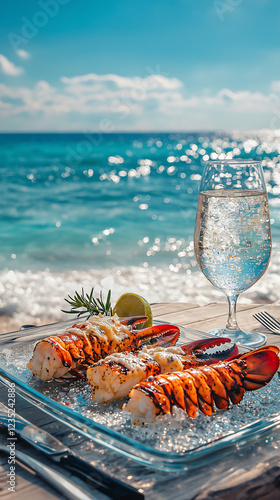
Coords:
pixel 232 237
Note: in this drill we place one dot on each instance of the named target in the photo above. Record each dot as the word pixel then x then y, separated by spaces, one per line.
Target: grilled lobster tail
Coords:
pixel 204 386
pixel 114 376
pixel 85 343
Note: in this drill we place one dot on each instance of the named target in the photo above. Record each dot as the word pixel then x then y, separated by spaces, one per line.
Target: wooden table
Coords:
pixel 254 474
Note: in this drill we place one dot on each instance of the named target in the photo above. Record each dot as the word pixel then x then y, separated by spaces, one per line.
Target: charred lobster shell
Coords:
pixel 85 343
pixel 203 387
pixel 115 375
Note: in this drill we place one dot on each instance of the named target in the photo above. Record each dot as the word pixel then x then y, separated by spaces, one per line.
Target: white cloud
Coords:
pixel 275 86
pixel 93 94
pixel 23 54
pixel 243 101
pixel 151 82
pixel 8 67
pixel 131 102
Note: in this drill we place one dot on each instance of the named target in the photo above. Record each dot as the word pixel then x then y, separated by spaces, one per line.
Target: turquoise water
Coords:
pixel 112 207
pixel 70 204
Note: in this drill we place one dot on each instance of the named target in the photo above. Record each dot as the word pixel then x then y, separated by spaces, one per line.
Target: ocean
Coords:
pixel 115 211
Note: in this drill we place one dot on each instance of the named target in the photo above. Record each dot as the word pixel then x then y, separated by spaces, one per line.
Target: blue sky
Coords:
pixel 130 65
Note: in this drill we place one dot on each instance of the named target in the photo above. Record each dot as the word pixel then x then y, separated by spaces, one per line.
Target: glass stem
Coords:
pixel 231 322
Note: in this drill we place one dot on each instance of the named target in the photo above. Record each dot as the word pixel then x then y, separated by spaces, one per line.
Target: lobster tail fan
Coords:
pixel 259 368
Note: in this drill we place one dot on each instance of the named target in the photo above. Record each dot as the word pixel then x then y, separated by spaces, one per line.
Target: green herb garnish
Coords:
pixel 86 303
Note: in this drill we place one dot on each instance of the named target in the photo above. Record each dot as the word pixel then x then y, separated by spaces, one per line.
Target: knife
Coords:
pixel 66 458
pixel 55 479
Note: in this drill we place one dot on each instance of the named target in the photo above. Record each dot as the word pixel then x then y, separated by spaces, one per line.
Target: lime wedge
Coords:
pixel 131 304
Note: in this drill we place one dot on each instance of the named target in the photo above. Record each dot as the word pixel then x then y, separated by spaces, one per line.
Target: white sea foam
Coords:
pixel 38 297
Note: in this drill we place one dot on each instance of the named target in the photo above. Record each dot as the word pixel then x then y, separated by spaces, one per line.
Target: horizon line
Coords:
pixel 86 132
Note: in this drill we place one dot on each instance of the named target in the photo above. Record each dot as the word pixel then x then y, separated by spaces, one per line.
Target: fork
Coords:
pixel 268 321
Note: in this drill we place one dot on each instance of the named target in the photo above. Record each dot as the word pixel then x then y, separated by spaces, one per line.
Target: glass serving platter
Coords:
pixel 174 442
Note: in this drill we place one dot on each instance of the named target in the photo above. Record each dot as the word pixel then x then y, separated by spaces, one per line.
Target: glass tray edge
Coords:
pixel 111 439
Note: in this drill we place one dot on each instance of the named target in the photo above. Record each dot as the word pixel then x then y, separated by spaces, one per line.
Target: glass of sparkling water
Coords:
pixel 232 237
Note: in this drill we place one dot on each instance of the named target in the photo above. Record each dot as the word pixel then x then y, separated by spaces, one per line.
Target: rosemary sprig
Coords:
pixel 86 303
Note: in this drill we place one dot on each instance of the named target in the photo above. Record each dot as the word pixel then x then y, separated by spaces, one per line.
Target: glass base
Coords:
pixel 250 339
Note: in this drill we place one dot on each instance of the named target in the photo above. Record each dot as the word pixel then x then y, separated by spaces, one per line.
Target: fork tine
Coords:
pixel 265 321
pixel 260 319
pixel 276 322
pixel 268 322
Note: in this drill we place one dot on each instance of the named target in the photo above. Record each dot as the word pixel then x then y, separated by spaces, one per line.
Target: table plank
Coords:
pixel 199 315
pixel 162 308
pixel 214 315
